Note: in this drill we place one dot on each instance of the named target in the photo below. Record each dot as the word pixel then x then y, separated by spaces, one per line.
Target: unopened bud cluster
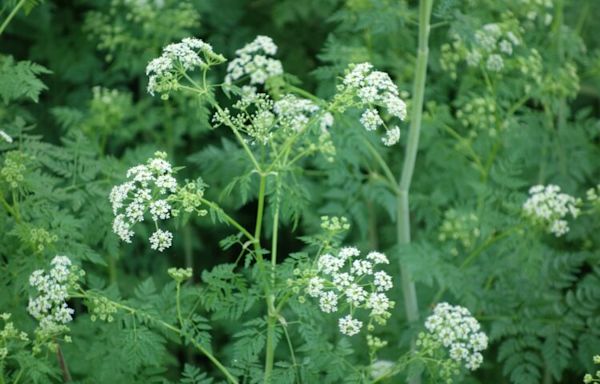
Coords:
pixel 180 274
pixel 459 228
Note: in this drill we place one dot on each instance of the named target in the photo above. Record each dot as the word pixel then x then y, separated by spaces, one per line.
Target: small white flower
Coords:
pixel 549 207
pixel 379 303
pixel 370 119
pixel 506 47
pixel 374 88
pixel 473 58
pixel 377 257
pixel 361 267
pixel 392 136
pixel 49 307
pixel 165 71
pixel 355 294
pixel 348 252
pixel 160 210
pixel 253 60
pixel 326 121
pixel 315 286
pixel 161 240
pixel 494 63
pixel 342 280
pixel 349 325
pixel 382 281
pixel 328 302
pixel 122 228
pixel 458 331
pixel 330 264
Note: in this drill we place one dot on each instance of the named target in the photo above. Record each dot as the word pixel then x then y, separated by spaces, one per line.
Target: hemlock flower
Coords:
pixel 49 307
pixel 349 325
pixel 458 332
pixel 343 279
pixel 494 63
pixel 165 72
pixel 161 240
pixel 255 61
pixel 369 90
pixel 548 207
pixel 149 188
pixel 294 113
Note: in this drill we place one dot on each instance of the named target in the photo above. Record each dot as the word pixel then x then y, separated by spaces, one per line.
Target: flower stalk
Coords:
pixel 403 219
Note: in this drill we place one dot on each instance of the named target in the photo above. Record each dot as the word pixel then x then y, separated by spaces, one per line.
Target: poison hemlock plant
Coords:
pixel 238 223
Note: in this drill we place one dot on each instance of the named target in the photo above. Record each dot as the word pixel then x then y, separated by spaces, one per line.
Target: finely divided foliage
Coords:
pixel 197 192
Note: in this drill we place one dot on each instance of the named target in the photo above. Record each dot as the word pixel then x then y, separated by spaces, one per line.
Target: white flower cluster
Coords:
pixel 165 71
pixel 255 60
pixel 345 277
pixel 549 207
pixel 49 307
pixel 294 112
pixel 148 190
pixel 459 332
pixel 373 89
pixel 5 136
pixel 491 43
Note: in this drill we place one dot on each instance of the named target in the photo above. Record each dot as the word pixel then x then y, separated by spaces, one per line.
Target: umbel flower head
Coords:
pixel 152 191
pixel 548 207
pixel 165 72
pixel 458 332
pixel 347 280
pixel 255 60
pixel 373 91
pixel 49 307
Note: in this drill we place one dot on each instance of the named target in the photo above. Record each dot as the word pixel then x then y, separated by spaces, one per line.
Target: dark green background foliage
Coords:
pixel 537 297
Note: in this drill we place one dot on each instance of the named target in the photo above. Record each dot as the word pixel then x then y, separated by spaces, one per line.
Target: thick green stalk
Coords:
pixel 403 220
pixel 271 316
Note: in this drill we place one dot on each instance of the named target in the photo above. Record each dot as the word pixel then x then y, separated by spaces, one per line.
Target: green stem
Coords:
pixel 63 365
pixel 11 15
pixel 10 209
pixel 291 348
pixel 272 313
pixel 178 303
pixel 403 219
pixel 229 219
pixel 18 376
pixel 302 92
pixel 384 167
pixel 260 211
pixel 112 269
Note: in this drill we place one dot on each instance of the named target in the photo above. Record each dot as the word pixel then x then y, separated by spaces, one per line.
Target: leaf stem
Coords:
pixel 228 219
pixel 11 15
